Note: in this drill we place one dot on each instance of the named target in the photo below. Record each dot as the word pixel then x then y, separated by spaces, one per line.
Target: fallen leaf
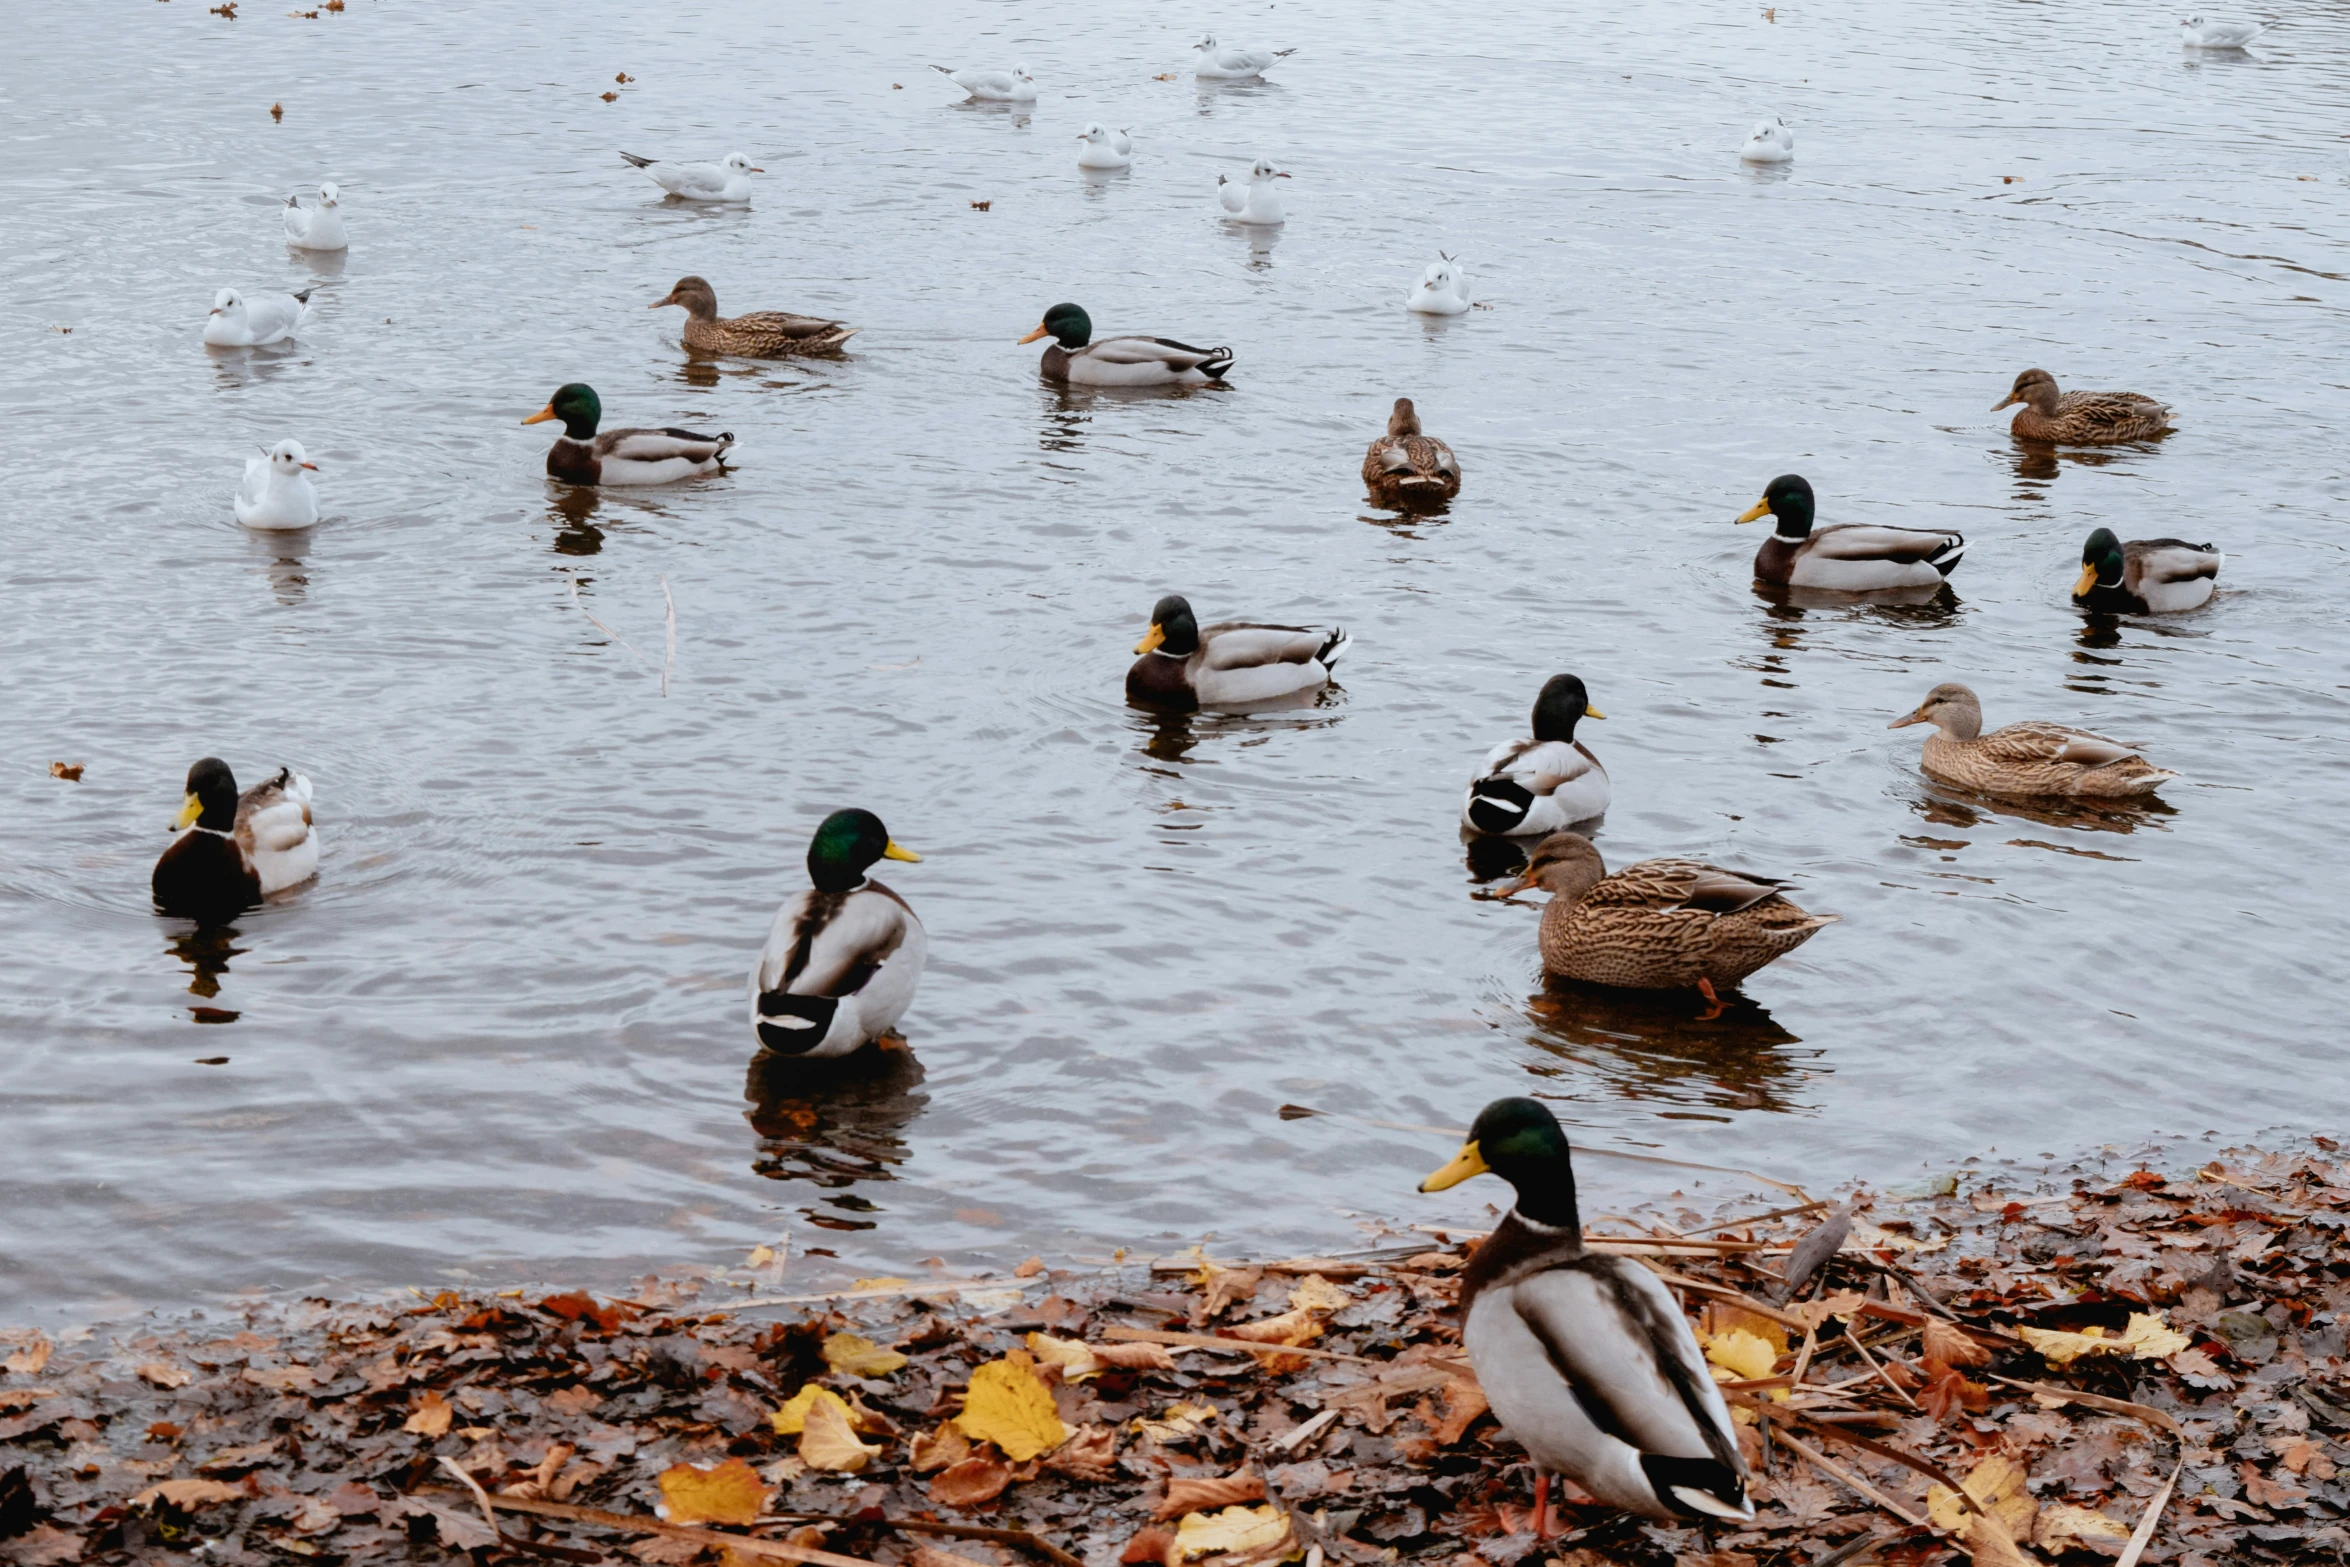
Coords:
pixel 981 206
pixel 1222 1287
pixel 1947 1344
pixel 576 1399
pixel 165 1376
pixel 2147 1337
pixel 1029 1269
pixel 1009 1405
pixel 29 1360
pixel 1291 1327
pixel 611 97
pixel 1197 1496
pixel 1844 1304
pixel 188 1495
pixel 71 772
pixel 1252 1533
pixel 283 1379
pixel 1151 1545
pixel 2063 1521
pixel 578 1305
pixel 1742 1354
pixel 935 1450
pixel 828 1441
pixel 1092 1454
pixel 932 1556
pixel 726 1493
pixel 1868 1237
pixel 1077 1361
pixel 792 1418
pixel 974 1482
pixel 624 78
pixel 854 1355
pixel 1464 1401
pixel 45 1546
pixel 430 1417
pixel 1177 1422
pixel 277 111
pixel 1997 1485
pixel 1316 1293
pixel 1133 1357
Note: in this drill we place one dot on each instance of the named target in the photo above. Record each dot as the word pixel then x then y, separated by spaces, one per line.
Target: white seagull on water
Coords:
pixel 276 494
pixel 1259 201
pixel 238 322
pixel 1219 64
pixel 1012 86
pixel 728 181
pixel 319 227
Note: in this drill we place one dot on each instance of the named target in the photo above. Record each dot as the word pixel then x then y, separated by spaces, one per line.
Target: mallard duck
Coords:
pixel 1105 148
pixel 581 456
pixel 1184 668
pixel 1769 142
pixel 2196 33
pixel 1121 361
pixel 1214 62
pixel 1012 86
pixel 1546 782
pixel 1258 202
pixel 1405 468
pixel 763 334
pixel 2145 576
pixel 843 958
pixel 2080 418
pixel 276 494
pixel 319 227
pixel 237 321
pixel 2030 758
pixel 1660 924
pixel 727 181
pixel 234 850
pixel 1850 557
pixel 1586 1358
pixel 1443 290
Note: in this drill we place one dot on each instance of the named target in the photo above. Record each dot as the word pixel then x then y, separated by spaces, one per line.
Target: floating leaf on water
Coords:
pixel 71 772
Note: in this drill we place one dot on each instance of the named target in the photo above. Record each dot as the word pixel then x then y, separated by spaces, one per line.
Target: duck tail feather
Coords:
pixel 1329 651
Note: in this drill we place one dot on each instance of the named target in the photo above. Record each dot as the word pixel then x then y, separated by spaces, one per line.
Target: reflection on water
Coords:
pixel 282 552
pixel 1926 607
pixel 323 264
pixel 834 1124
pixel 1172 737
pixel 205 949
pixel 573 511
pixel 698 370
pixel 242 367
pixel 1952 808
pixel 1669 1047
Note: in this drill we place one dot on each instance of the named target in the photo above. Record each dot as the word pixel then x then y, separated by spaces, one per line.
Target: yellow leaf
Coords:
pixel 1077 1361
pixel 1868 1237
pixel 1742 1354
pixel 1997 1485
pixel 760 1256
pixel 792 1418
pixel 1259 1532
pixel 729 1493
pixel 1176 1422
pixel 878 1284
pixel 1316 1293
pixel 2063 1521
pixel 2147 1337
pixel 854 1355
pixel 828 1441
pixel 190 1494
pixel 431 1416
pixel 1009 1405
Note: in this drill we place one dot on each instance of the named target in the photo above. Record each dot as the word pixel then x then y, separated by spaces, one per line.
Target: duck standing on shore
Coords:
pixel 763 334
pixel 843 958
pixel 2027 759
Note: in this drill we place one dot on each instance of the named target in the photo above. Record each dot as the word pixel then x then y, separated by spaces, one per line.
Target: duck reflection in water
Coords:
pixel 834 1124
pixel 2038 462
pixel 698 370
pixel 573 513
pixel 1924 608
pixel 1946 808
pixel 1670 1047
pixel 1172 737
pixel 1067 411
pixel 206 950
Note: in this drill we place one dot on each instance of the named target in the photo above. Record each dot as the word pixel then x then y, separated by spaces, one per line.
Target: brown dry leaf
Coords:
pixel 1245 1534
pixel 662 1550
pixel 1199 1496
pixel 828 1441
pixel 1151 1547
pixel 1133 1357
pixel 1092 1454
pixel 1464 1401
pixel 974 1482
pixel 1291 1327
pixel 1009 1405
pixel 45 1546
pixel 576 1399
pixel 1316 1293
pixel 71 772
pixel 1077 1361
pixel 1222 1287
pixel 2147 1337
pixel 28 1360
pixel 1947 1344
pixel 283 1379
pixel 938 1449
pixel 431 1416
pixel 854 1355
pixel 2063 1521
pixel 1029 1269
pixel 188 1495
pixel 165 1376
pixel 277 111
pixel 1989 1544
pixel 1843 1303
pixel 1997 1485
pixel 728 1493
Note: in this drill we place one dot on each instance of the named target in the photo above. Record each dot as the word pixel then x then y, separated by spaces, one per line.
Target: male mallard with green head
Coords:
pixel 581 456
pixel 1586 1359
pixel 843 958
pixel 235 849
pixel 763 334
pixel 2080 418
pixel 2027 759
pixel 1231 664
pixel 2145 576
pixel 1121 361
pixel 1547 781
pixel 1849 557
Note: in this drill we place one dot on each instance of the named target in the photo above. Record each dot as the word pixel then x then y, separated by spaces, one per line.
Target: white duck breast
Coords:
pixel 837 972
pixel 1216 62
pixel 274 829
pixel 319 227
pixel 1012 86
pixel 1105 149
pixel 1556 783
pixel 1443 290
pixel 727 181
pixel 1769 142
pixel 2196 33
pixel 1257 202
pixel 249 321
pixel 276 493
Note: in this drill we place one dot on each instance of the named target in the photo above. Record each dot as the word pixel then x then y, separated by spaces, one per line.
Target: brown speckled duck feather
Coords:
pixel 2026 759
pixel 763 334
pixel 1406 467
pixel 2081 418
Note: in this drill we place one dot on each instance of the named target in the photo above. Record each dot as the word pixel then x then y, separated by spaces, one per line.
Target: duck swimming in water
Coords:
pixel 2080 418
pixel 843 958
pixel 1546 782
pixel 1185 667
pixel 235 849
pixel 1848 557
pixel 581 456
pixel 1120 361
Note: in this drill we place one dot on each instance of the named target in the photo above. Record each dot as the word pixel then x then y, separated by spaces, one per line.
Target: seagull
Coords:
pixel 1234 65
pixel 1769 142
pixel 2196 33
pixel 728 181
pixel 1442 289
pixel 1105 149
pixel 238 322
pixel 319 227
pixel 1012 86
pixel 1256 202
pixel 276 494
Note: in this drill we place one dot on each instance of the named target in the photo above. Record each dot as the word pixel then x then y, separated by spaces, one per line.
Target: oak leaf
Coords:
pixel 1255 1534
pixel 430 1417
pixel 1199 1496
pixel 829 1441
pixel 727 1493
pixel 188 1495
pixel 1009 1405
pixel 974 1482
pixel 854 1355
pixel 1950 1346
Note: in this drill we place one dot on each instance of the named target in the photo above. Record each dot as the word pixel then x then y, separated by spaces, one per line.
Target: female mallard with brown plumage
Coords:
pixel 582 456
pixel 1406 468
pixel 1661 924
pixel 2029 759
pixel 763 334
pixel 1586 1358
pixel 235 849
pixel 843 958
pixel 2145 576
pixel 1847 557
pixel 2080 418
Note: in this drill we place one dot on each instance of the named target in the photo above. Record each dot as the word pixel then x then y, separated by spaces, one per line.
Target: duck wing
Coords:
pixel 784 323
pixel 2156 560
pixel 2036 742
pixel 831 946
pixel 1541 766
pixel 1236 645
pixel 1865 541
pixel 661 445
pixel 1137 350
pixel 274 815
pixel 1690 885
pixel 2112 411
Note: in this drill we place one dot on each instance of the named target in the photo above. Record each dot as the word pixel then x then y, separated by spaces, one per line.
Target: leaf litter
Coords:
pixel 2146 1371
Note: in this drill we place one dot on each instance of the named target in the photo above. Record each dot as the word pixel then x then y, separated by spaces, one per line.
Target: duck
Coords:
pixel 1105 148
pixel 319 227
pixel 581 456
pixel 1546 782
pixel 237 321
pixel 1258 202
pixel 1405 468
pixel 1012 86
pixel 763 334
pixel 2080 418
pixel 843 957
pixel 1769 142
pixel 1849 557
pixel 2196 33
pixel 1586 1357
pixel 276 495
pixel 1666 924
pixel 1073 356
pixel 1443 290
pixel 2145 576
pixel 1214 62
pixel 234 850
pixel 2030 759
pixel 1183 668
pixel 726 181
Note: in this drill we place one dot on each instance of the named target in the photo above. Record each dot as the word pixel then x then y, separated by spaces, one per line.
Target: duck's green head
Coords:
pixel 1788 498
pixel 1520 1141
pixel 211 799
pixel 1067 325
pixel 1562 704
pixel 845 845
pixel 577 406
pixel 2101 563
pixel 1173 631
